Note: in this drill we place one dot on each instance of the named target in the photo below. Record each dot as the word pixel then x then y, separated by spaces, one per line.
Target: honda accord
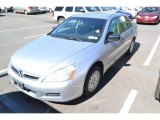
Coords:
pixel 70 60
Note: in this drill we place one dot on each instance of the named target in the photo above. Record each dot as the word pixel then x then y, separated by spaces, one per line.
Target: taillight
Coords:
pixel 30 7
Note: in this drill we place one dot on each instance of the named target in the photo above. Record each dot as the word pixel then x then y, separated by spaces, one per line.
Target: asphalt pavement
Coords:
pixel 127 87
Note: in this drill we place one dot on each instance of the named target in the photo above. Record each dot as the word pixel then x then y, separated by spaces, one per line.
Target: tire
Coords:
pixel 157 21
pixel 25 12
pixel 131 48
pixel 92 81
pixel 50 10
pixel 157 92
pixel 60 20
pixel 15 11
pixel 5 10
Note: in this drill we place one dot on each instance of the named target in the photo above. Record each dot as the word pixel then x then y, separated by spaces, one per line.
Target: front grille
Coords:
pixel 23 74
pixel 30 77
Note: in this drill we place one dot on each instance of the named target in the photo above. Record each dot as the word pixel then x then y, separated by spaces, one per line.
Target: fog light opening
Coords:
pixel 53 94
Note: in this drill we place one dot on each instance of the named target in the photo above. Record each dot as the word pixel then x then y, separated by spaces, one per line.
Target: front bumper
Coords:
pixel 147 20
pixel 54 91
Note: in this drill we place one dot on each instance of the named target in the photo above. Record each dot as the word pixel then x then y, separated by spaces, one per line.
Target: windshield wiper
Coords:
pixel 67 37
pixel 72 38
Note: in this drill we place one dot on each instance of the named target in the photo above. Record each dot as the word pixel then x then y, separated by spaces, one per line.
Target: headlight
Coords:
pixel 66 73
pixel 154 16
pixel 138 16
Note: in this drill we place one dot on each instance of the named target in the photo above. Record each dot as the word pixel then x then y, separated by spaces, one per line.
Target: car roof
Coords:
pixel 99 15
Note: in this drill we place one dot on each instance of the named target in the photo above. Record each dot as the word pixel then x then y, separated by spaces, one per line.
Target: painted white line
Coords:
pixel 34 36
pixel 10 104
pixel 23 28
pixel 147 62
pixel 129 101
pixel 2 72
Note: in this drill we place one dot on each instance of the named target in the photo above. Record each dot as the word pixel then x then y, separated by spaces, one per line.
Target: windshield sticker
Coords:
pixel 97 31
pixel 92 37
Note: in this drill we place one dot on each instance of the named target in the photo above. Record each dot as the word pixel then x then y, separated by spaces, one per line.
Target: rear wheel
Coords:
pixel 14 11
pixel 60 20
pixel 50 10
pixel 157 92
pixel 25 12
pixel 92 81
pixel 5 10
pixel 131 48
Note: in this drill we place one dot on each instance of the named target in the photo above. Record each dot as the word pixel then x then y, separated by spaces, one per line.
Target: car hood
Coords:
pixel 148 14
pixel 46 52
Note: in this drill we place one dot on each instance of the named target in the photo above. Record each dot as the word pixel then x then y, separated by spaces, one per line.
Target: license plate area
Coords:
pixel 20 85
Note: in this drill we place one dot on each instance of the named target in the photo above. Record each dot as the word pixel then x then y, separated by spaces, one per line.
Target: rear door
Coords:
pixel 127 31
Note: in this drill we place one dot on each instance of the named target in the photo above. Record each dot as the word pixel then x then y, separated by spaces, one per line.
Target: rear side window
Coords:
pixel 125 22
pixel 115 26
pixel 58 8
pixel 69 9
pixel 79 9
pixel 128 22
pixel 91 9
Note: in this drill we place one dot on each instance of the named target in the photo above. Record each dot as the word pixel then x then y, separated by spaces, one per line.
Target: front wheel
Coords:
pixel 92 81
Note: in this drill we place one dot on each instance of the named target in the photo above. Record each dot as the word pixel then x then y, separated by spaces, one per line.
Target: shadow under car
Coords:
pixel 110 73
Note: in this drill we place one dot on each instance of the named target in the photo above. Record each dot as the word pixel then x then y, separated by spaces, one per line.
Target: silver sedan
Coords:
pixel 70 61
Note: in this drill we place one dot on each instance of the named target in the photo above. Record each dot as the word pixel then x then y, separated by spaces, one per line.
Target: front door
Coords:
pixel 112 50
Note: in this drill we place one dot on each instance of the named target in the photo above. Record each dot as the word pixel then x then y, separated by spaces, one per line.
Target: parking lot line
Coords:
pixel 34 36
pixel 129 101
pixel 24 28
pixel 10 104
pixel 148 60
pixel 2 72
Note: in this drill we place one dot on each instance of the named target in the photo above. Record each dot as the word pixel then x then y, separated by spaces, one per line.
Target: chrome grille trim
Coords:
pixel 23 74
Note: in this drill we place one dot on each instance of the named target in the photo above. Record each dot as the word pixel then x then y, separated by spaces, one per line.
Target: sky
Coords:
pixel 80 2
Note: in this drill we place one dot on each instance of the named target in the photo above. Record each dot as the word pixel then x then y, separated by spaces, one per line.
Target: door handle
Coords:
pixel 131 32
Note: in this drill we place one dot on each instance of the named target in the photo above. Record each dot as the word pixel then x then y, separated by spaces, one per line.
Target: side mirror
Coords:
pixel 113 37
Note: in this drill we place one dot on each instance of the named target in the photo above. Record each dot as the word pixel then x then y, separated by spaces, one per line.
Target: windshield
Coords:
pixel 80 29
pixel 150 9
